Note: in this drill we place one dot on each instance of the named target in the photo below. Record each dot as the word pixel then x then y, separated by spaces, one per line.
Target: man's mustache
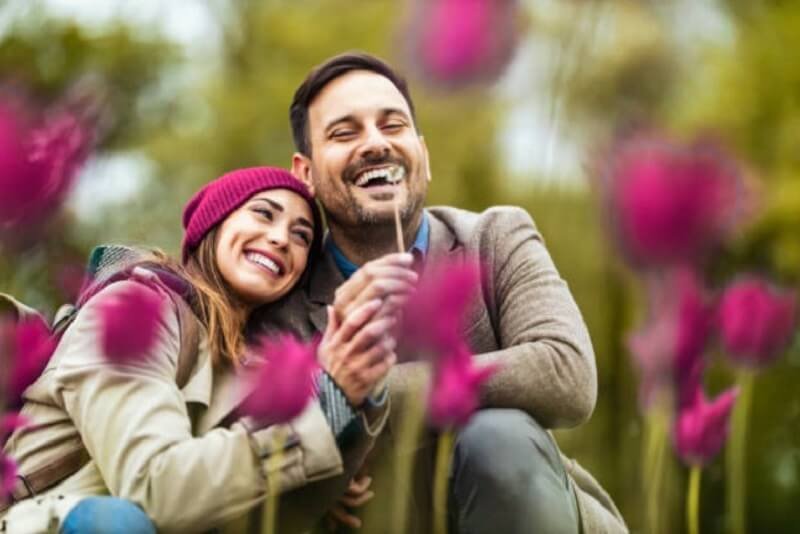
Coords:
pixel 354 169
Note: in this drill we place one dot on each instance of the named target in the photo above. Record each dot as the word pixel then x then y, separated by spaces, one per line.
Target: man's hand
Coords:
pixel 359 352
pixel 389 278
pixel 357 495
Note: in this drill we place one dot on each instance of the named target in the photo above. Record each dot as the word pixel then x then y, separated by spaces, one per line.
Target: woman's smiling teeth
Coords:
pixel 386 175
pixel 263 261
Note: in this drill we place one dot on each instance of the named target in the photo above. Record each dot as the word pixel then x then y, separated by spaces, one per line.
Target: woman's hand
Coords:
pixel 359 351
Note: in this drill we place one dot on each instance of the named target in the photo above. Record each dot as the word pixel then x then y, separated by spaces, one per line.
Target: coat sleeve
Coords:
pixel 547 365
pixel 547 361
pixel 134 423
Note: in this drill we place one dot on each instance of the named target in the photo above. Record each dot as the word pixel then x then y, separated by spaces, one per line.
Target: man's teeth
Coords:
pixel 263 260
pixel 391 175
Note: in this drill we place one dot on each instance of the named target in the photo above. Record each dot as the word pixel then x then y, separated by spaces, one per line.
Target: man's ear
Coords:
pixel 301 169
pixel 425 155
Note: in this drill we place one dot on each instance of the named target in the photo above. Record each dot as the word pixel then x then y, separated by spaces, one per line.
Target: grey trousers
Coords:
pixel 507 477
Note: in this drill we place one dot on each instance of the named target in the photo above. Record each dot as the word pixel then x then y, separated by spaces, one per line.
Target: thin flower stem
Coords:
pixel 444 459
pixel 410 429
pixel 655 454
pixel 270 509
pixel 693 500
pixel 398 225
pixel 736 456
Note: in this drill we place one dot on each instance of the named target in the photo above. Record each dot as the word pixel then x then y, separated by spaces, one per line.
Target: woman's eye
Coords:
pixel 266 213
pixel 304 237
pixel 393 126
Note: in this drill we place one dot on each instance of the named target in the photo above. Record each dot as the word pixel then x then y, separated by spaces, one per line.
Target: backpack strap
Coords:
pixel 189 328
pixel 19 311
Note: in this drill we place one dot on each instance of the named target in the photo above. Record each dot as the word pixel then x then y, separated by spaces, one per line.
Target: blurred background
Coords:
pixel 177 92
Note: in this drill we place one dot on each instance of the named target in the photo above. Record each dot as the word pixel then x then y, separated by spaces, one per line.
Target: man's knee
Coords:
pixel 507 444
pixel 508 477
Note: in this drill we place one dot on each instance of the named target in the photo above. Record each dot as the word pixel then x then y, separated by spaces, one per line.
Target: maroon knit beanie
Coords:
pixel 218 199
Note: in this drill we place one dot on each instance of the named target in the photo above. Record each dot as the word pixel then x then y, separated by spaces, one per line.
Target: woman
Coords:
pixel 173 453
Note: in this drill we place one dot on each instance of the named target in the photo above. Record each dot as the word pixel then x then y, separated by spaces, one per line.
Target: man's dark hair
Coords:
pixel 325 73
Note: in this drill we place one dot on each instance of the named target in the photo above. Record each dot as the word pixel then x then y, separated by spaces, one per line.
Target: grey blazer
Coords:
pixel 527 320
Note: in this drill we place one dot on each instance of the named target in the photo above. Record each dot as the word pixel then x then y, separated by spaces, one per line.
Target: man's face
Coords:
pixel 365 150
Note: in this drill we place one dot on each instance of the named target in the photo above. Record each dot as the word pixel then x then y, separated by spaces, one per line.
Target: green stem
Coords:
pixel 655 456
pixel 405 452
pixel 693 501
pixel 270 510
pixel 736 455
pixel 444 458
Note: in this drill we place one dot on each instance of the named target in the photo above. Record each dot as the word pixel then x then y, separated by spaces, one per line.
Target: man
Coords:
pixel 359 148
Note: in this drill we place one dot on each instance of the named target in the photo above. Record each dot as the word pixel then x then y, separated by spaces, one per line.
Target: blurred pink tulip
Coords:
pixel 285 383
pixel 701 427
pixel 757 321
pixel 18 179
pixel 669 350
pixel 454 394
pixel 433 317
pixel 129 323
pixel 8 476
pixel 462 41
pixel 672 204
pixel 30 347
pixel 38 165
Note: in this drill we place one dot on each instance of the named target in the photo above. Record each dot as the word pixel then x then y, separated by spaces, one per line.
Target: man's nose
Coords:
pixel 375 144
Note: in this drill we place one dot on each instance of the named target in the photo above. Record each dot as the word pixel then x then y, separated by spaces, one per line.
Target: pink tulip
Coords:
pixel 8 476
pixel 669 350
pixel 285 383
pixel 461 41
pixel 129 323
pixel 433 316
pixel 19 182
pixel 757 321
pixel 701 427
pixel 672 204
pixel 454 395
pixel 30 347
pixel 38 166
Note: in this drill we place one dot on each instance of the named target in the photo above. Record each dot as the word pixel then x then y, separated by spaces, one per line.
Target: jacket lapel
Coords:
pixel 227 393
pixel 321 290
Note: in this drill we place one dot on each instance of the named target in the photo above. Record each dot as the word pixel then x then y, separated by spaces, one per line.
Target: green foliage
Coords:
pixel 195 117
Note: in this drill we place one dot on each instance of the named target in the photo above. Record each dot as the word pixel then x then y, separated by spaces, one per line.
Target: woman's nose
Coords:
pixel 278 237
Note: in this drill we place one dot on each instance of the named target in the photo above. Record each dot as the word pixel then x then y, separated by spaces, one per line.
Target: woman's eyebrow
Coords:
pixel 302 221
pixel 275 205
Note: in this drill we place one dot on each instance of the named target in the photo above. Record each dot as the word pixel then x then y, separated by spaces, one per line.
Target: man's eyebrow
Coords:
pixel 394 111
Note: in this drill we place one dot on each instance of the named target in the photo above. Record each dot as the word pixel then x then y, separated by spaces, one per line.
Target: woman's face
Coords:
pixel 262 247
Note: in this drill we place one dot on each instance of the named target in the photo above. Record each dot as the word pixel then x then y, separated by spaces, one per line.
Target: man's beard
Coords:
pixel 361 216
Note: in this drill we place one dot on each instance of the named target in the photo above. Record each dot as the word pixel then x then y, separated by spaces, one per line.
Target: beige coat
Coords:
pixel 169 450
pixel 527 320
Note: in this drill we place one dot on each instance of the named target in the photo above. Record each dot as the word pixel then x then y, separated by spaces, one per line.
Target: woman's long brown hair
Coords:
pixel 217 307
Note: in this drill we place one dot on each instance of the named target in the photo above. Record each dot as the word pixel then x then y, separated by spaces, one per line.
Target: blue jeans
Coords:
pixel 107 515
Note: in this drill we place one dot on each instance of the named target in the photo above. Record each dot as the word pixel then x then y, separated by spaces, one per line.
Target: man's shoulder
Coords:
pixel 464 222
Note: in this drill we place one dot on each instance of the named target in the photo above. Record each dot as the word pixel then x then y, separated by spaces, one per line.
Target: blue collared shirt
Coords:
pixel 419 246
